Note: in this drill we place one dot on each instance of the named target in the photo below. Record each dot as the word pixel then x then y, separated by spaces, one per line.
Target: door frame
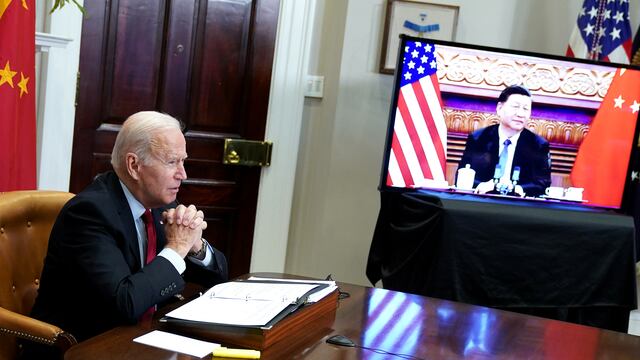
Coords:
pixel 284 122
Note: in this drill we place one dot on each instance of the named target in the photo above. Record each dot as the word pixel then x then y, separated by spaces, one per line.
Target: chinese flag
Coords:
pixel 17 95
pixel 601 165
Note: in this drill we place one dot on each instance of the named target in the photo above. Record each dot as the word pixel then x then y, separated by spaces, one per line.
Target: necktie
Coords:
pixel 504 155
pixel 147 218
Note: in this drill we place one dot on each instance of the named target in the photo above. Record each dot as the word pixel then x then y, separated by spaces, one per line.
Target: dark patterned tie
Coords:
pixel 147 218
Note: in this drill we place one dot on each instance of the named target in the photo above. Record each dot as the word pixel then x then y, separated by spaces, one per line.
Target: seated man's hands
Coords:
pixel 187 216
pixel 485 187
pixel 183 229
pixel 519 190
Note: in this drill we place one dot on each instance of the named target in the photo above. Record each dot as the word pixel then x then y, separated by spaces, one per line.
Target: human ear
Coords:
pixel 133 165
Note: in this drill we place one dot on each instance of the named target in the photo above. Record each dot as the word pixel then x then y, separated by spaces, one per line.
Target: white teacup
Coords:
pixel 554 192
pixel 574 193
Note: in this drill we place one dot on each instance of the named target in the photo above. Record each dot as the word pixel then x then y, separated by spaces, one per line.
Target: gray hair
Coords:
pixel 137 136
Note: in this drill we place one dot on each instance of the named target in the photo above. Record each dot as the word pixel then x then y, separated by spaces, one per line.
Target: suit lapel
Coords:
pixel 494 147
pixel 521 148
pixel 126 219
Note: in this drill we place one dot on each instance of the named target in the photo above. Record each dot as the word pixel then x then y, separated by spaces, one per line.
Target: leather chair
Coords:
pixel 26 219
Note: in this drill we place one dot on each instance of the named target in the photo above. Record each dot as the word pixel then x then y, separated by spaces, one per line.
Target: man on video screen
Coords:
pixel 507 157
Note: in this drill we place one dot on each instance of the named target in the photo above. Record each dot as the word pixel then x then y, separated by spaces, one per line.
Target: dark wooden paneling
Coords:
pixel 219 84
pixel 135 44
pixel 178 55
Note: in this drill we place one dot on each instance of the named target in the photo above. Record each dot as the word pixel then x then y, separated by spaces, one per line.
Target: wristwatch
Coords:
pixel 200 254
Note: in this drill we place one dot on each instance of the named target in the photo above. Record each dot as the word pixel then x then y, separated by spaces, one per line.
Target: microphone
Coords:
pixel 516 175
pixel 497 174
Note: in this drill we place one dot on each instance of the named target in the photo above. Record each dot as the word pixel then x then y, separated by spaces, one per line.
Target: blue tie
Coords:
pixel 504 155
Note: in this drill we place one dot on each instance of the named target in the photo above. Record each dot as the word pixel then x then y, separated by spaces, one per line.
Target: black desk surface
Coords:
pixel 507 254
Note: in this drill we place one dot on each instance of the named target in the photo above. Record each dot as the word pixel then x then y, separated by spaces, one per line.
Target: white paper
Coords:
pixel 177 343
pixel 241 303
pixel 316 296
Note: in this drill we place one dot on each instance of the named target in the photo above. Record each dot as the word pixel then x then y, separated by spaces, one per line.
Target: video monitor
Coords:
pixel 513 124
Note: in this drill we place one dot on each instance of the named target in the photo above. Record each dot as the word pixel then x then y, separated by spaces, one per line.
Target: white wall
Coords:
pixel 336 200
pixel 57 70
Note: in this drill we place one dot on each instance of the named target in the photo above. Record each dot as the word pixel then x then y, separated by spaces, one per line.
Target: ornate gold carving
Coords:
pixel 635 60
pixel 558 132
pixel 552 78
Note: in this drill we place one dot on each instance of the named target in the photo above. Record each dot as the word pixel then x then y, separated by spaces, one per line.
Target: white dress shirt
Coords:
pixel 506 174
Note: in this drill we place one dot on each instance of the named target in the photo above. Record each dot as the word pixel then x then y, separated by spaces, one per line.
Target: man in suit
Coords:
pixel 525 151
pixel 101 271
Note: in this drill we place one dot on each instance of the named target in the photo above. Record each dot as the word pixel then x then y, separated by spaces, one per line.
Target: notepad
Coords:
pixel 244 303
pixel 177 343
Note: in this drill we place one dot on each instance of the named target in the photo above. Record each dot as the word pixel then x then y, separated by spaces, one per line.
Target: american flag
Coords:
pixel 419 144
pixel 602 32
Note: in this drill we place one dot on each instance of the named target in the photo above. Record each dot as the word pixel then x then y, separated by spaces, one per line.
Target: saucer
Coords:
pixel 562 198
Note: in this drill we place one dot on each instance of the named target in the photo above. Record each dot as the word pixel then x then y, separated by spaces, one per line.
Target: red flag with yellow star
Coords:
pixel 17 95
pixel 609 140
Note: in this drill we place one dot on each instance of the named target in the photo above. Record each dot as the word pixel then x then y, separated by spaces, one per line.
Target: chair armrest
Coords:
pixel 35 330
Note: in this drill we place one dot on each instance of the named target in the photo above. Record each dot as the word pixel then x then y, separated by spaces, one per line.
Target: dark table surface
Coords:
pixel 425 328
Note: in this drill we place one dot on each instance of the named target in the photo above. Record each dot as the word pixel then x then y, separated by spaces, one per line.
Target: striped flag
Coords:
pixel 419 144
pixel 17 95
pixel 602 32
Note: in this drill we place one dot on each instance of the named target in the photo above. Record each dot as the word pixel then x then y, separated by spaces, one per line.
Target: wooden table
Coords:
pixel 423 327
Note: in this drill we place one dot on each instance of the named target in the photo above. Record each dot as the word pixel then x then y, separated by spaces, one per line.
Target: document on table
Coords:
pixel 314 297
pixel 177 343
pixel 244 303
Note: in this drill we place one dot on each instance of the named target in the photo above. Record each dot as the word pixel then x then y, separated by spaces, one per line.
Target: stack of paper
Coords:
pixel 254 302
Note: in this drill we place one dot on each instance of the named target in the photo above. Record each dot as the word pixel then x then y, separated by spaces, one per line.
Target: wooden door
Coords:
pixel 205 62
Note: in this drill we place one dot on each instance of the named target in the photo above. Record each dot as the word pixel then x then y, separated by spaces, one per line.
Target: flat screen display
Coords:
pixel 519 125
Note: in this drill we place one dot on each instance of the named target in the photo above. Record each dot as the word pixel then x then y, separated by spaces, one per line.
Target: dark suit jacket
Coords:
pixel 531 155
pixel 92 279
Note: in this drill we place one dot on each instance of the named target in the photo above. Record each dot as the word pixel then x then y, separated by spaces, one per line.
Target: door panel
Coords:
pixel 135 44
pixel 208 63
pixel 219 85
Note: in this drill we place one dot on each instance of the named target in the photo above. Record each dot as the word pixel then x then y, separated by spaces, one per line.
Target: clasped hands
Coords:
pixel 183 228
pixel 485 187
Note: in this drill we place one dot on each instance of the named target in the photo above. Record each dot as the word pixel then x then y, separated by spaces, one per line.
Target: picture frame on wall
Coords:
pixel 415 18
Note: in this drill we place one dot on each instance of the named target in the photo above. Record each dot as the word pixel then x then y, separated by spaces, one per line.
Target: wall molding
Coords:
pixel 45 41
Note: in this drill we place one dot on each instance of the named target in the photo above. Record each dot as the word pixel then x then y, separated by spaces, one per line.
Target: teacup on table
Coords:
pixel 555 192
pixel 574 193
